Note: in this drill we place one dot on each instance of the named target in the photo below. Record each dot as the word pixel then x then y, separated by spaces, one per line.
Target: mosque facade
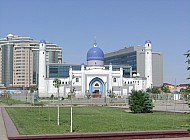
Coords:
pixel 94 78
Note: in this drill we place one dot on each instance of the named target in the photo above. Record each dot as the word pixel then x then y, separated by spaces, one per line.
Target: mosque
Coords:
pixel 94 78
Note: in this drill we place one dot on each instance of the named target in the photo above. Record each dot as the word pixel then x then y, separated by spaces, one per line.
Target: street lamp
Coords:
pixel 105 92
pixel 71 91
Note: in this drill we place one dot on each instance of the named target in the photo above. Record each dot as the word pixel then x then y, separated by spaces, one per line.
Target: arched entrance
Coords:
pixel 97 87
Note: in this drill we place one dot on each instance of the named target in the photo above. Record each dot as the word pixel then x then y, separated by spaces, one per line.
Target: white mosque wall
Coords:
pixel 50 89
pixel 120 89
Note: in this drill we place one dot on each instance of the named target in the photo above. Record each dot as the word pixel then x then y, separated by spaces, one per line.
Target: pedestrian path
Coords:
pixel 3 133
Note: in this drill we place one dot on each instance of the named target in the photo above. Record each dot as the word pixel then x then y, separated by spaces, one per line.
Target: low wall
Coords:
pixel 108 136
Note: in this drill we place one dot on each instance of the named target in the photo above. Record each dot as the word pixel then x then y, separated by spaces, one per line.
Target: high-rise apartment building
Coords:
pixel 19 60
pixel 135 56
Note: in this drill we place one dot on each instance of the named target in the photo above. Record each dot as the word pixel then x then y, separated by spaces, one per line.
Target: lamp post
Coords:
pixel 71 90
pixel 105 92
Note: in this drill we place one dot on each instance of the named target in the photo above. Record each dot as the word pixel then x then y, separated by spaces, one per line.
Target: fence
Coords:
pixel 23 96
pixel 29 98
pixel 168 96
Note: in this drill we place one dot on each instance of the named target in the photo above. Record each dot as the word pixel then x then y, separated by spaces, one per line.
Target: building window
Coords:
pixel 114 79
pixel 77 79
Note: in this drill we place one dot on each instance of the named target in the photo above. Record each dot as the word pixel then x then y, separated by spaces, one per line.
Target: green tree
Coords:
pixel 32 89
pixel 112 95
pixel 149 90
pixel 140 102
pixel 56 84
pixel 165 89
pixel 188 60
pixel 88 95
pixel 187 90
pixel 154 90
pixel 52 97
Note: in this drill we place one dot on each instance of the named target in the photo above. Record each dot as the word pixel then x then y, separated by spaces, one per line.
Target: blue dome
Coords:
pixel 95 53
pixel 42 41
pixel 147 41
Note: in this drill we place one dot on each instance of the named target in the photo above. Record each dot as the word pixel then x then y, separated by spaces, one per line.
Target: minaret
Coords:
pixel 110 84
pixel 83 78
pixel 148 63
pixel 42 69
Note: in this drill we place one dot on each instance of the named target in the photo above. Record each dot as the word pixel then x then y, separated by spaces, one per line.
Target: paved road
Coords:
pixel 3 133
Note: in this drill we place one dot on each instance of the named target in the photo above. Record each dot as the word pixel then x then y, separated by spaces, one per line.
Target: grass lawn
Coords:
pixel 93 119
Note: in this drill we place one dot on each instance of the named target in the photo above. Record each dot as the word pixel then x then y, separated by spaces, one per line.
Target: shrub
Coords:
pixel 140 102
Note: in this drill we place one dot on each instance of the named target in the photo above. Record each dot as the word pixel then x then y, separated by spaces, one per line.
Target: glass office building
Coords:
pixel 134 57
pixel 62 70
pixel 123 59
pixel 7 64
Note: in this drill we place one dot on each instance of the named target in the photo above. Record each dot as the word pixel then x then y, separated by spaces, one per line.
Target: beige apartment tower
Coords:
pixel 19 60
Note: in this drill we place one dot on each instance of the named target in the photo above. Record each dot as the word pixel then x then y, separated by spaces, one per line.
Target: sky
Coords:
pixel 74 25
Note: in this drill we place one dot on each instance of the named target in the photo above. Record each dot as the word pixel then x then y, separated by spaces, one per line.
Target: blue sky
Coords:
pixel 74 24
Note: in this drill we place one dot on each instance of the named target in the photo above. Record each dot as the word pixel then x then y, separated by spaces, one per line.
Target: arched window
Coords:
pixel 97 85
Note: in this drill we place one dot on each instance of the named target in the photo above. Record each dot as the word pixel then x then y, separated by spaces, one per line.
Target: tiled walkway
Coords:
pixel 3 133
